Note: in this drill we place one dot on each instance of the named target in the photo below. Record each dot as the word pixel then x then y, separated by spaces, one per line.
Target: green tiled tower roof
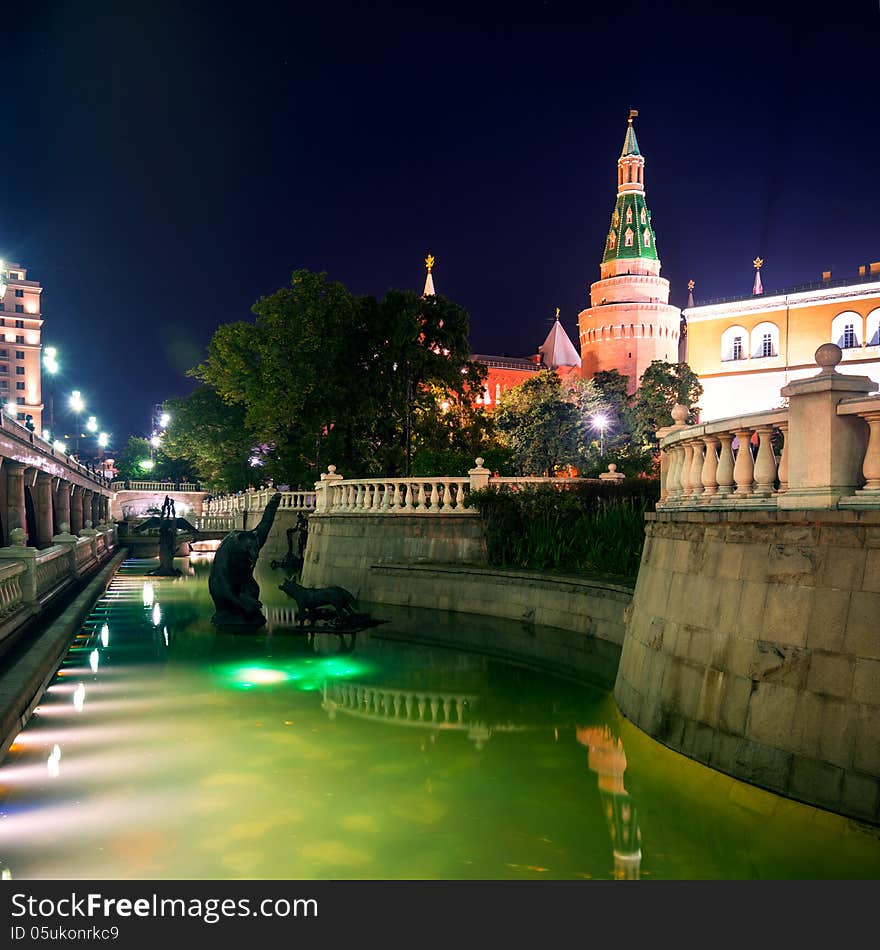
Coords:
pixel 630 236
pixel 631 215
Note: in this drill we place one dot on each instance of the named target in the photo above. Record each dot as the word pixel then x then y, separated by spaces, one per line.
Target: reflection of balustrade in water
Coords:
pixel 448 711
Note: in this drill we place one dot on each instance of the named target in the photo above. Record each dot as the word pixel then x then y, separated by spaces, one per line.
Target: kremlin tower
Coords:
pixel 629 321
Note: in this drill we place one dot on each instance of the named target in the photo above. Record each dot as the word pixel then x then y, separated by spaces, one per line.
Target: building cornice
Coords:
pixel 793 301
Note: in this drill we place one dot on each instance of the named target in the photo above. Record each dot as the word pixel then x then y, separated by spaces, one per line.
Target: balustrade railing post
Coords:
pixel 710 468
pixel 668 457
pixel 324 489
pixel 765 463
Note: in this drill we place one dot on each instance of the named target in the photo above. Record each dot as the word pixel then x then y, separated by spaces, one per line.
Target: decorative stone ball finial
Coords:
pixel 331 469
pixel 612 467
pixel 17 537
pixel 65 527
pixel 827 357
pixel 679 413
pixel 479 462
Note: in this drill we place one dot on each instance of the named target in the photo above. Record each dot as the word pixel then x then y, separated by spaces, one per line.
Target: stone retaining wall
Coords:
pixel 753 645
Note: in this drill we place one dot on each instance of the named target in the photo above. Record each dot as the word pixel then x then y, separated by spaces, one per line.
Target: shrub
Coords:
pixel 589 527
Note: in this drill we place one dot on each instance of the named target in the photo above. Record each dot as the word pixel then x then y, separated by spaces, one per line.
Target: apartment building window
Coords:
pixel 19 308
pixel 19 354
pixel 4 369
pixel 19 324
pixel 20 416
pixel 849 336
pixel 19 293
pixel 19 339
pixel 19 371
pixel 767 344
pixel 19 400
pixel 14 275
pixel 2 308
pixel 4 354
pixel 20 385
pixel 4 384
pixel 737 347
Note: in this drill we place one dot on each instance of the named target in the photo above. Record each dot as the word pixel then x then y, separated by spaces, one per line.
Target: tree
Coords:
pixel 662 386
pixel 543 424
pixel 327 377
pixel 212 437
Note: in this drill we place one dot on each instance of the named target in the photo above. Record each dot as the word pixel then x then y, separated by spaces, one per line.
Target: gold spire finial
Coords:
pixel 557 313
pixel 632 114
pixel 691 285
pixel 758 262
pixel 429 262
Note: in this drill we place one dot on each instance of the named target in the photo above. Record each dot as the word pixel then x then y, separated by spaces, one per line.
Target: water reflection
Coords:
pixel 608 760
pixel 390 754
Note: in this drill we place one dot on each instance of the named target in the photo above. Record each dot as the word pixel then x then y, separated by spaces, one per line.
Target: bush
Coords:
pixel 590 527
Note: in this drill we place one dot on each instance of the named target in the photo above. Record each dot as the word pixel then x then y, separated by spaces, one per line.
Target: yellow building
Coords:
pixel 745 349
pixel 20 323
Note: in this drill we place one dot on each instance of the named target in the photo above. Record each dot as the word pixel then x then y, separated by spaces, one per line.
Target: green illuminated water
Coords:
pixel 164 749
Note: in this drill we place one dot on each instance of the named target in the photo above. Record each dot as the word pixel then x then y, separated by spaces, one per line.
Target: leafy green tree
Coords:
pixel 544 425
pixel 211 436
pixel 662 386
pixel 326 377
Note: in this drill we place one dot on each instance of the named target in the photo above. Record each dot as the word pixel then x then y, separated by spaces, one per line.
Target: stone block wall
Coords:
pixel 753 645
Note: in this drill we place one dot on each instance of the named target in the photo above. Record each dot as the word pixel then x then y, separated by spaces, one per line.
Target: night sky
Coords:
pixel 164 165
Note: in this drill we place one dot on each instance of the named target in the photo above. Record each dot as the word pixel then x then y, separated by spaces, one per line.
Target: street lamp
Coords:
pixel 600 422
pixel 77 404
pixel 92 424
pixel 50 364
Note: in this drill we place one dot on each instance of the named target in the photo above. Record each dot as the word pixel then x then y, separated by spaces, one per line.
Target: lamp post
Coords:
pixel 77 404
pixel 50 364
pixel 600 422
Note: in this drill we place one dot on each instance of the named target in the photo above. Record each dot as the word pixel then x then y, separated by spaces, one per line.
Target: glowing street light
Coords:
pixel 92 424
pixel 601 422
pixel 148 465
pixel 77 404
pixel 155 441
pixel 60 446
pixel 50 364
pixel 103 439
pixel 164 419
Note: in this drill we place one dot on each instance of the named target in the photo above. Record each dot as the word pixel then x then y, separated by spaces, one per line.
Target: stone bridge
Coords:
pixel 136 499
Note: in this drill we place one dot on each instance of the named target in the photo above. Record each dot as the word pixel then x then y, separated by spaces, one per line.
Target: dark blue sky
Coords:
pixel 165 164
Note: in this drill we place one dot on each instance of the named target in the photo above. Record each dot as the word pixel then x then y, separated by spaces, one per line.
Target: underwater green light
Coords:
pixel 306 674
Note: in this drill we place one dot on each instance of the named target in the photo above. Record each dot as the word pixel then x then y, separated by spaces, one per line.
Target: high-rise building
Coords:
pixel 20 348
pixel 629 321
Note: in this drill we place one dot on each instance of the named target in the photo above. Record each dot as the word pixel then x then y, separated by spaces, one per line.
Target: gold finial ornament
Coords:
pixel 557 313
pixel 632 115
pixel 691 285
pixel 758 262
pixel 429 262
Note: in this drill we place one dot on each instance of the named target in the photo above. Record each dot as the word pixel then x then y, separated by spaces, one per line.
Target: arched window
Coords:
pixel 629 215
pixel 846 330
pixel 616 219
pixel 612 240
pixel 733 343
pixel 628 238
pixel 647 238
pixel 497 391
pixel 872 328
pixel 643 218
pixel 764 341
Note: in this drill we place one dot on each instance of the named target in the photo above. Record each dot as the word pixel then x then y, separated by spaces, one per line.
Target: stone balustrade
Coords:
pixel 822 451
pixel 31 578
pixel 128 485
pixel 225 505
pixel 424 496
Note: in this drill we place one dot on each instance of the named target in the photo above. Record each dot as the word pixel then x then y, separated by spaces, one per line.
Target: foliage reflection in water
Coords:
pixel 165 749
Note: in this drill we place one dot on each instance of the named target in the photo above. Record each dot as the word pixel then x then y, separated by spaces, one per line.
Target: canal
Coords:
pixel 166 750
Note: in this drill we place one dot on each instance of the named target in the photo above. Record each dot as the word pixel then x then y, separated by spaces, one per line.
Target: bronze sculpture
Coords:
pixel 231 583
pixel 167 541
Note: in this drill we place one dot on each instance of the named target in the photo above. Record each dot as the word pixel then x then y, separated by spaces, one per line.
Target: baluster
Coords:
pixel 744 467
pixel 407 705
pixel 421 707
pixel 361 496
pixel 397 705
pixel 684 473
pixel 435 497
pixel 710 468
pixel 724 474
pixel 434 707
pixel 673 489
pixel 460 495
pixel 871 464
pixel 765 463
pixel 422 498
pixel 695 473
pixel 407 496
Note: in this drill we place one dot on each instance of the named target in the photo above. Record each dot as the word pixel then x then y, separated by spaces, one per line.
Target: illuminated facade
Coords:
pixel 745 349
pixel 21 322
pixel 629 322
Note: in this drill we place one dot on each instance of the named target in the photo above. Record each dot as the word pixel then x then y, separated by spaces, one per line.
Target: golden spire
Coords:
pixel 691 285
pixel 758 262
pixel 429 262
pixel 557 313
pixel 633 113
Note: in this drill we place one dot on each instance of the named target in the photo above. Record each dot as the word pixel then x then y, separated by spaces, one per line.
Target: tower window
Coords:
pixel 629 215
pixel 612 240
pixel 737 347
pixel 647 237
pixel 849 336
pixel 643 219
pixel 616 218
pixel 628 238
pixel 767 344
